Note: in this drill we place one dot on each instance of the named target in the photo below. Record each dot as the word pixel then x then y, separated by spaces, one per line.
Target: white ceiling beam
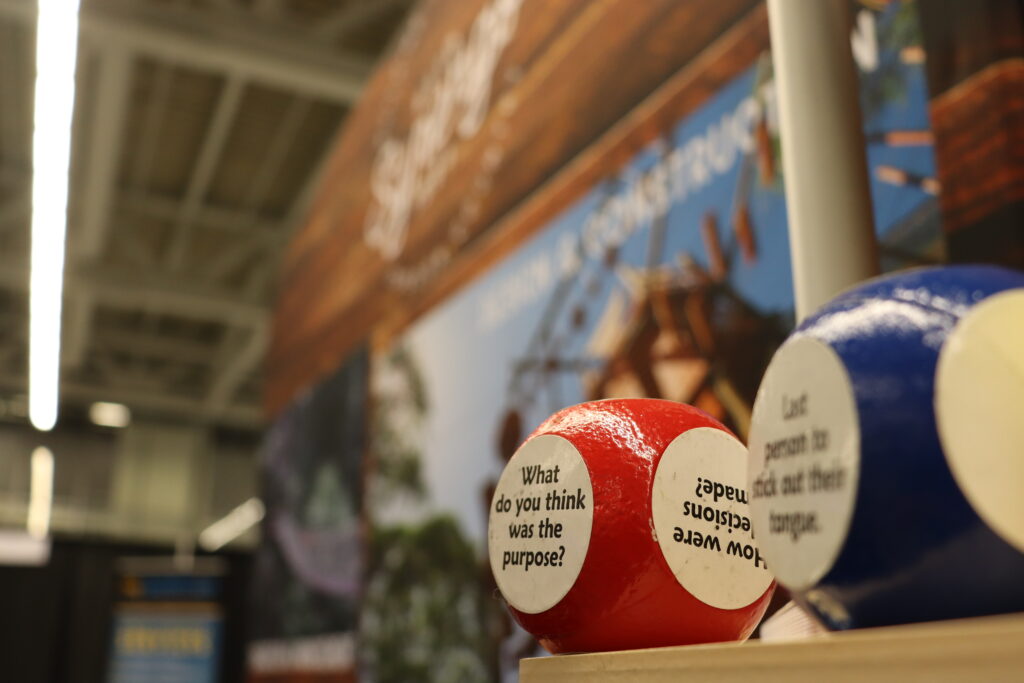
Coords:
pixel 96 191
pixel 127 373
pixel 19 80
pixel 354 15
pixel 250 224
pixel 12 173
pixel 248 357
pixel 152 120
pixel 230 260
pixel 11 129
pixel 14 213
pixel 253 224
pixel 99 181
pixel 269 9
pixel 303 203
pixel 260 280
pixel 151 291
pixel 238 363
pixel 11 349
pixel 77 331
pixel 202 173
pixel 282 143
pixel 181 350
pixel 172 295
pixel 167 405
pixel 187 37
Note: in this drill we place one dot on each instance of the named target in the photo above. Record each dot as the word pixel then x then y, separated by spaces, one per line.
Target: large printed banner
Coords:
pixel 668 278
pixel 479 102
pixel 538 204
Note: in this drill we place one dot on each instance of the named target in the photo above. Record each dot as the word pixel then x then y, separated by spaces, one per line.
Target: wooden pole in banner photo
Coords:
pixel 831 233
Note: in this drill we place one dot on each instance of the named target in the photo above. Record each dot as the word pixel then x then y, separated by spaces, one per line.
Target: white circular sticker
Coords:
pixel 804 461
pixel 540 522
pixel 701 517
pixel 979 407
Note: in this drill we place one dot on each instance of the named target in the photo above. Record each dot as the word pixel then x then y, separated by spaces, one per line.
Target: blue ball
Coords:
pixel 901 543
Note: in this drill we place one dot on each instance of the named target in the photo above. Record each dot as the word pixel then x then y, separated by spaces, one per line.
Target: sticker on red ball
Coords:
pixel 540 523
pixel 804 461
pixel 702 520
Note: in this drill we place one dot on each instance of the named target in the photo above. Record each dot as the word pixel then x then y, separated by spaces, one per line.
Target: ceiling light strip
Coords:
pixel 56 53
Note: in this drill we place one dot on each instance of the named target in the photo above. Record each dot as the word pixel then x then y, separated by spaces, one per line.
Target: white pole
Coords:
pixel 831 233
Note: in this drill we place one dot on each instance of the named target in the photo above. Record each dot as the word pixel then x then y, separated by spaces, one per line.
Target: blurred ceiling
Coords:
pixel 201 129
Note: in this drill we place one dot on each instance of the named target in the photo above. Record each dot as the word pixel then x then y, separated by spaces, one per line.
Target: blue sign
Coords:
pixel 166 644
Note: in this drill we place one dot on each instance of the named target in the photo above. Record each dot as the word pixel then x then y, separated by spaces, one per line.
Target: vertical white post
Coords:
pixel 831 233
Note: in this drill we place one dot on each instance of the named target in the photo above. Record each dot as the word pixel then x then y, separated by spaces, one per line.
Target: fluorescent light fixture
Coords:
pixel 56 52
pixel 107 414
pixel 232 525
pixel 40 498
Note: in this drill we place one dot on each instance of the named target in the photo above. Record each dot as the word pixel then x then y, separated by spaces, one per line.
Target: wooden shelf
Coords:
pixel 986 649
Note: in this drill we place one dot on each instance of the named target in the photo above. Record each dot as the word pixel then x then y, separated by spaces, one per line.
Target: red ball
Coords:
pixel 626 595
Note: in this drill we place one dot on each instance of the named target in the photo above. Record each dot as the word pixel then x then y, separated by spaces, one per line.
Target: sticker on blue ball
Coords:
pixel 804 461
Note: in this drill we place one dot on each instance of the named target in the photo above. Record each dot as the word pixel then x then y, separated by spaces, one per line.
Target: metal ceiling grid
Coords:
pixel 200 130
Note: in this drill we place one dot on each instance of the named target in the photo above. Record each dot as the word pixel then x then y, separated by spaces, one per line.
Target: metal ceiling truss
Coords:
pixel 119 258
